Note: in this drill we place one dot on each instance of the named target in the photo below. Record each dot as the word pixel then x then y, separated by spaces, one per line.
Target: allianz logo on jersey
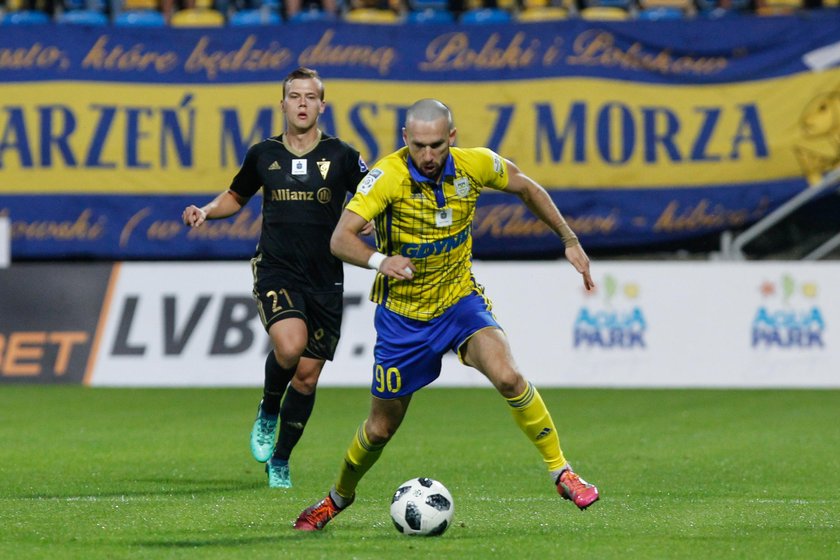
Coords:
pixel 322 195
pixel 614 322
pixel 789 316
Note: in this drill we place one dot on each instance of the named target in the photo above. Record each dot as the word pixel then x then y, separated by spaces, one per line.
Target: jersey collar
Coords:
pixel 448 170
pixel 306 150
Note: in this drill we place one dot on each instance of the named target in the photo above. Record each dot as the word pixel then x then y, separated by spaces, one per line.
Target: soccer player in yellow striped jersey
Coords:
pixel 429 223
pixel 422 199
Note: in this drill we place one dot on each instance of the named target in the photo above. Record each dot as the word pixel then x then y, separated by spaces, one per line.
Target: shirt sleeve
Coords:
pixel 373 194
pixel 247 181
pixel 358 169
pixel 492 168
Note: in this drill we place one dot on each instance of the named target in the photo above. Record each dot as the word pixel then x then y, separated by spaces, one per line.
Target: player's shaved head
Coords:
pixel 428 134
pixel 429 110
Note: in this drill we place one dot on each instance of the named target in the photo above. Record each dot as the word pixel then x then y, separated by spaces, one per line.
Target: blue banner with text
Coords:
pixel 643 132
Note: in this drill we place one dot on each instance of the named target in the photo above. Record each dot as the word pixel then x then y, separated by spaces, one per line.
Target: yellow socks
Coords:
pixel 528 410
pixel 533 418
pixel 359 458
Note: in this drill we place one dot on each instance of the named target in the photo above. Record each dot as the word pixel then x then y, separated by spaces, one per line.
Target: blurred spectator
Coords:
pixel 197 13
pixel 130 5
pixel 293 7
pixel 46 6
pixel 169 7
pixel 139 13
pixel 459 6
pixel 396 6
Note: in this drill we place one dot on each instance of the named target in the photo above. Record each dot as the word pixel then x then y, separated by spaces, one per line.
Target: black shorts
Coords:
pixel 320 311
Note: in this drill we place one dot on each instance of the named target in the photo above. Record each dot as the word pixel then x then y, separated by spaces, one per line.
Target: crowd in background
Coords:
pixel 215 13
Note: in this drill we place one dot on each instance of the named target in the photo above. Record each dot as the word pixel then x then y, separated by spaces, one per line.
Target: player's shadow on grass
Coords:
pixel 159 487
pixel 280 535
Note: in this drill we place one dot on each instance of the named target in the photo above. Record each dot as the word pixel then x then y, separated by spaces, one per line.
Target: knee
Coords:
pixel 306 376
pixel 289 344
pixel 305 384
pixel 380 433
pixel 510 384
pixel 285 356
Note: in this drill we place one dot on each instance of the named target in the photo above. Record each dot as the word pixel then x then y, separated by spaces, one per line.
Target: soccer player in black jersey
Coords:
pixel 305 176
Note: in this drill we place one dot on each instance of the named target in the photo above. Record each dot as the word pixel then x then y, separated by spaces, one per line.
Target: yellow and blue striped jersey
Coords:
pixel 429 223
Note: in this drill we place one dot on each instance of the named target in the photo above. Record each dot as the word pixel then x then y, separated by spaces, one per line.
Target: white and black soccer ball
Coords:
pixel 422 506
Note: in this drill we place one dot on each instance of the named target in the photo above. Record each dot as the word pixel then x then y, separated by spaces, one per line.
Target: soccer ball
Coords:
pixel 422 506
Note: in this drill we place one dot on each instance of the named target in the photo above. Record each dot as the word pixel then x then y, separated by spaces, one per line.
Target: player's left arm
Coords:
pixel 539 202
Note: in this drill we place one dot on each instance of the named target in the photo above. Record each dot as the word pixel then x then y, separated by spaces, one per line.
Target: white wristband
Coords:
pixel 375 260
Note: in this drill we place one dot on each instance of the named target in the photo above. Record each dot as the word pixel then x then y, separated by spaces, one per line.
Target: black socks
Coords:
pixel 276 380
pixel 294 414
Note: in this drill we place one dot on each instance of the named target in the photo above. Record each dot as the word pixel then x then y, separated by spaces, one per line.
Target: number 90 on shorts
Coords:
pixel 386 381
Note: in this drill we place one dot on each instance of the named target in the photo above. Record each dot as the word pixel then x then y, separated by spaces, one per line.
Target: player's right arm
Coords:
pixel 225 204
pixel 244 185
pixel 349 247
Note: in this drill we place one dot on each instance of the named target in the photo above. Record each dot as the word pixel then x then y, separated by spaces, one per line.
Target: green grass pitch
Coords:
pixel 167 473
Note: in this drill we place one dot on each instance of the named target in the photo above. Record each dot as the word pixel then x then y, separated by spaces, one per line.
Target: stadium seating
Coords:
pixel 604 13
pixel 139 13
pixel 212 13
pixel 723 8
pixel 140 18
pixel 270 5
pixel 312 15
pixel 483 16
pixel 139 5
pixel 545 13
pixel 665 9
pixel 569 5
pixel 507 5
pixel 82 17
pixel 656 14
pixel 372 15
pixel 623 4
pixel 778 7
pixel 202 15
pixel 82 12
pixel 422 5
pixel 430 16
pixel 607 9
pixel 255 16
pixel 25 17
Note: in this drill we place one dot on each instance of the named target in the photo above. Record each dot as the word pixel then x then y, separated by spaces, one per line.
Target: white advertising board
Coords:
pixel 196 324
pixel 673 325
pixel 5 241
pixel 698 324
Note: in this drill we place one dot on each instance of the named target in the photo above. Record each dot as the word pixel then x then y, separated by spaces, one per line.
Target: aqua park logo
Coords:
pixel 616 321
pixel 789 317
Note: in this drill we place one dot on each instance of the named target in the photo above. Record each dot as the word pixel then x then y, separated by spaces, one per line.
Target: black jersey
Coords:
pixel 303 196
